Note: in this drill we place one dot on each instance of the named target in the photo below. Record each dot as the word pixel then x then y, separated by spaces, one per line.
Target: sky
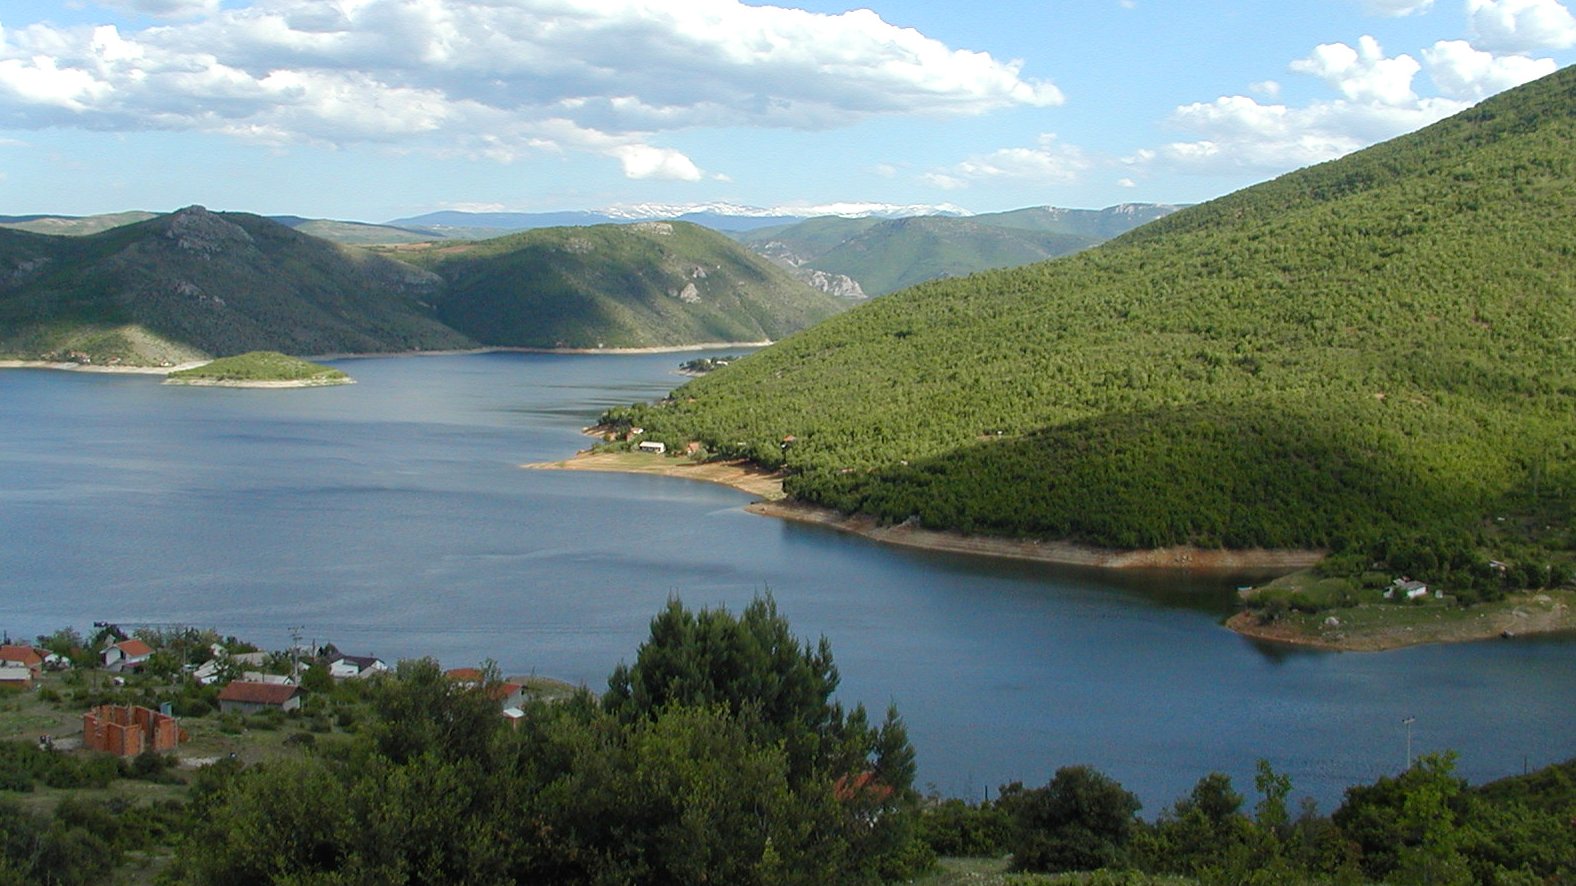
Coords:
pixel 373 110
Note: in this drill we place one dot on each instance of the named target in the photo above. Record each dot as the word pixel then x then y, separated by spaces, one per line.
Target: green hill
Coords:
pixel 1376 354
pixel 652 284
pixel 73 226
pixel 885 255
pixel 199 283
pixel 260 368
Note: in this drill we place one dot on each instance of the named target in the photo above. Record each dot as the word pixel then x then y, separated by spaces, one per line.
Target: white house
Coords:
pixel 350 667
pixel 1405 587
pixel 652 446
pixel 127 655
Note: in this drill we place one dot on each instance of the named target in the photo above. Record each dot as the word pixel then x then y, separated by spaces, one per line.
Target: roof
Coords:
pixel 133 648
pixel 361 661
pixel 465 675
pixel 258 693
pixel 25 654
pixel 501 691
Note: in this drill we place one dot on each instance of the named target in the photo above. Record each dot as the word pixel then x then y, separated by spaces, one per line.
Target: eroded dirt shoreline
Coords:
pixel 768 486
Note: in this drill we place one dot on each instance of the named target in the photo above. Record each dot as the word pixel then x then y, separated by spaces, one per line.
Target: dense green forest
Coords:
pixel 618 286
pixel 718 755
pixel 1380 349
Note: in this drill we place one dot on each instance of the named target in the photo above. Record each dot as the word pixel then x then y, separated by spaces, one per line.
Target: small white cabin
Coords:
pixel 652 446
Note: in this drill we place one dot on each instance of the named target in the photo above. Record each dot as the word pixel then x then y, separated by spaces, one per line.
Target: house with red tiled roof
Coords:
pixel 242 697
pixel 507 695
pixel 26 656
pixel 466 676
pixel 127 655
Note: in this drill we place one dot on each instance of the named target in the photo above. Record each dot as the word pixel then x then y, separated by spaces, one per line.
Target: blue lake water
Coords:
pixel 392 517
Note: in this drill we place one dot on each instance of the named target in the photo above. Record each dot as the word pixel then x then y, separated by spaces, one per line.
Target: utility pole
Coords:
pixel 295 654
pixel 1408 723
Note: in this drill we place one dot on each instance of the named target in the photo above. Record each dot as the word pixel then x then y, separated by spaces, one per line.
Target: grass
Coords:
pixel 1378 626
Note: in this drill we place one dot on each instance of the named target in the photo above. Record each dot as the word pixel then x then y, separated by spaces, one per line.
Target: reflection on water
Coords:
pixel 392 517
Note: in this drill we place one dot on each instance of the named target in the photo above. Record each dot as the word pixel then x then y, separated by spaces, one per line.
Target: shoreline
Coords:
pixel 768 487
pixel 106 369
pixel 509 349
pixel 233 383
pixel 95 367
pixel 1519 615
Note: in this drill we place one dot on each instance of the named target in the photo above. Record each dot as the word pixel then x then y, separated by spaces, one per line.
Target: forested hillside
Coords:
pixel 197 283
pixel 649 284
pixel 1378 352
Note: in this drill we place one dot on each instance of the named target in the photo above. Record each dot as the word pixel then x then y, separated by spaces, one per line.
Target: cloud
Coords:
pixel 1397 8
pixel 1238 134
pixel 1048 162
pixel 1521 25
pixel 1363 74
pixel 496 79
pixel 164 8
pixel 645 161
pixel 1466 73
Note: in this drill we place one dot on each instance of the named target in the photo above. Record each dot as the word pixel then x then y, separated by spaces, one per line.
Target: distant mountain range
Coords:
pixel 851 250
pixel 873 256
pixel 195 284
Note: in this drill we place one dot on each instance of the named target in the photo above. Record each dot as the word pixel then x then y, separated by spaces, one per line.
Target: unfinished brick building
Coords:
pixel 127 730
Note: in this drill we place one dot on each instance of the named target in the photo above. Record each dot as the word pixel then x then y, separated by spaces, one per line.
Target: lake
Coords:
pixel 392 517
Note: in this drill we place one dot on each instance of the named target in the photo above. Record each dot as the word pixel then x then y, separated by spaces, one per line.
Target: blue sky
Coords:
pixel 377 109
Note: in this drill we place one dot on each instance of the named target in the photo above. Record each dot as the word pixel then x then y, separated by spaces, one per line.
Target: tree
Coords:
pixel 1080 821
pixel 759 672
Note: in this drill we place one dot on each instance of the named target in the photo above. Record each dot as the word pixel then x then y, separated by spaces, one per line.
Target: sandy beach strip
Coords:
pixel 768 487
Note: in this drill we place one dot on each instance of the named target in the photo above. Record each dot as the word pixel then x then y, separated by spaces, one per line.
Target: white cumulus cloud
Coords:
pixel 1363 74
pixel 497 79
pixel 1049 161
pixel 1466 73
pixel 1521 25
pixel 645 161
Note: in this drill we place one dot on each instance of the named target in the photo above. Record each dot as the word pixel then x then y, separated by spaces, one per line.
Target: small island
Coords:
pixel 260 369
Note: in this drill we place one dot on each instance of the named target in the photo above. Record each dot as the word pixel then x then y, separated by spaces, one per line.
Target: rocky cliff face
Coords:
pixel 840 285
pixel 199 231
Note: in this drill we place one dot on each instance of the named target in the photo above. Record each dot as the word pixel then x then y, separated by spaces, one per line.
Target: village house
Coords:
pixel 128 730
pixel 465 676
pixel 15 675
pixel 242 697
pixel 508 695
pixel 653 447
pixel 127 655
pixel 352 667
pixel 25 656
pixel 1407 589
